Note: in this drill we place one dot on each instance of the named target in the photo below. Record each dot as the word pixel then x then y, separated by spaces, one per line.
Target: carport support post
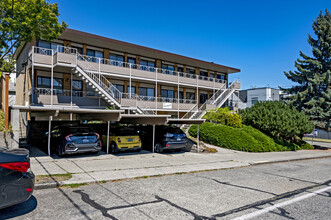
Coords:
pixel 198 139
pixel 108 125
pixel 153 138
pixel 49 135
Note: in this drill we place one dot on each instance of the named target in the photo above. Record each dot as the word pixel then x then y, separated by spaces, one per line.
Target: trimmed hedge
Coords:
pixel 246 138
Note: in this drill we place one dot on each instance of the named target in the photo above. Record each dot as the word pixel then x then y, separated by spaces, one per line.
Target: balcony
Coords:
pixel 64 56
pixel 41 96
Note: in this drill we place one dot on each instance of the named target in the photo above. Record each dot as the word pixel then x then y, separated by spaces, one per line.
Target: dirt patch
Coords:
pixel 52 178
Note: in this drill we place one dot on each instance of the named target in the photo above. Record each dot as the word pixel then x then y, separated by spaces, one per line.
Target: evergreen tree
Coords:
pixel 313 94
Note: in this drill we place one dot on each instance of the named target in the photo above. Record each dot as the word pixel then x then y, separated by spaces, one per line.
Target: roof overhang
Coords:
pixel 144 119
pixel 185 121
pixel 86 114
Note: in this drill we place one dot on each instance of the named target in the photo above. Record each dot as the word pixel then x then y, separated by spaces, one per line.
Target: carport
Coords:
pixel 181 121
pixel 84 114
pixel 145 119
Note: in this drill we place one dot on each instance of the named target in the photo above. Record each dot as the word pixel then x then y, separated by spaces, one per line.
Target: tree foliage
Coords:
pixel 22 21
pixel 313 74
pixel 278 120
pixel 224 116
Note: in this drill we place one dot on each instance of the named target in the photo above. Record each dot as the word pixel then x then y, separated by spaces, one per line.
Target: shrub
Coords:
pixel 246 138
pixel 277 120
pixel 224 116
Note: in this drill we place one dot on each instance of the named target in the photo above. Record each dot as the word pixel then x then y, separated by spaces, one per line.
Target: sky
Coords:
pixel 261 38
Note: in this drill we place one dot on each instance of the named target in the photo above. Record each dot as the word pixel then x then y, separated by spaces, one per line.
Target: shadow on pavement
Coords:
pixel 19 209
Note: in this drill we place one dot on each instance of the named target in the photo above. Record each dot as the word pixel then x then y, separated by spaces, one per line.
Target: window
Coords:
pixel 79 49
pixel 190 71
pixel 203 73
pixel 48 45
pixel 150 92
pixel 77 85
pixel 116 60
pixel 133 89
pixel 180 69
pixel 212 76
pixel 222 77
pixel 203 98
pixel 168 94
pixel 93 55
pixel 119 87
pixel 190 95
pixel 90 91
pixel 45 82
pixel 254 100
pixel 147 65
pixel 131 60
pixel 181 95
pixel 77 88
pixel 168 69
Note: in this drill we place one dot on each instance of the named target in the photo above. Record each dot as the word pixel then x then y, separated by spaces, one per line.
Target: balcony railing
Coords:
pixel 69 50
pixel 61 92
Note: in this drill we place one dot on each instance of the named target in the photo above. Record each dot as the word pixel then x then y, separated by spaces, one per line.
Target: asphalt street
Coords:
pixel 291 190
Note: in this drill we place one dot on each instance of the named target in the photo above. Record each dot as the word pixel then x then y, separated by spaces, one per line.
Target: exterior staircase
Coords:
pixel 102 85
pixel 218 99
pixel 98 82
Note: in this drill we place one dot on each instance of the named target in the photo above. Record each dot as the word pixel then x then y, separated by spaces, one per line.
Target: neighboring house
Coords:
pixel 247 98
pixel 85 71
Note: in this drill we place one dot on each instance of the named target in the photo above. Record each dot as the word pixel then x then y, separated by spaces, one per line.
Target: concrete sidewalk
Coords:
pixel 103 167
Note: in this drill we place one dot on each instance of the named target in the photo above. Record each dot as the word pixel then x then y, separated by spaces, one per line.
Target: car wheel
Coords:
pixel 158 148
pixel 59 151
pixel 113 148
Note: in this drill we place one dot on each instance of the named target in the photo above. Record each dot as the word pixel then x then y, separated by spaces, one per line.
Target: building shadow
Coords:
pixel 19 209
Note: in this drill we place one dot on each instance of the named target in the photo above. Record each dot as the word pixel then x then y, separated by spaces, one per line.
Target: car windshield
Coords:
pixel 124 132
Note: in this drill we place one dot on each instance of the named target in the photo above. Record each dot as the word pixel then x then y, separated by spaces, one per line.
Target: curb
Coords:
pixel 59 184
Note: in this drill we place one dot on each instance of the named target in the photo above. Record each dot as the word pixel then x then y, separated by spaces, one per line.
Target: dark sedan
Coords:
pixel 71 140
pixel 166 138
pixel 16 177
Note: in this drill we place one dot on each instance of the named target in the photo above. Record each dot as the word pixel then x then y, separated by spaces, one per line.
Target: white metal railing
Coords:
pixel 159 99
pixel 69 50
pixel 217 99
pixel 61 92
pixel 102 81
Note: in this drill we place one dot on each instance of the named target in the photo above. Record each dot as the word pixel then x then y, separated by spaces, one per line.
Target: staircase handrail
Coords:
pixel 99 78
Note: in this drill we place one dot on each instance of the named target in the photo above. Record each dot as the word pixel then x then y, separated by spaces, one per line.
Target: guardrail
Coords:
pixel 69 50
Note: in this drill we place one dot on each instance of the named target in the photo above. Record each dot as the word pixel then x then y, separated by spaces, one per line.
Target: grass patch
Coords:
pixel 74 185
pixel 52 178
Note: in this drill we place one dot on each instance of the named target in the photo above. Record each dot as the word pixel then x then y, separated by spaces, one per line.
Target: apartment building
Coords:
pixel 86 71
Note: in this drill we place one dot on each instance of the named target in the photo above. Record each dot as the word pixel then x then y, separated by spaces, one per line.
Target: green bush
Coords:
pixel 277 120
pixel 246 138
pixel 224 116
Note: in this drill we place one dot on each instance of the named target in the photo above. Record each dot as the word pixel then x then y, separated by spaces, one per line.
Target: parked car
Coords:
pixel 166 138
pixel 122 139
pixel 16 177
pixel 71 140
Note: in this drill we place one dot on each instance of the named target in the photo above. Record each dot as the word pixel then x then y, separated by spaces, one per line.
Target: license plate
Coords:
pixel 130 139
pixel 179 139
pixel 86 140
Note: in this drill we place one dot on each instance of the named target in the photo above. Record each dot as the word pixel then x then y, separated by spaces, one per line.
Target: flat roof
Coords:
pixel 144 119
pixel 87 114
pixel 121 46
pixel 185 121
